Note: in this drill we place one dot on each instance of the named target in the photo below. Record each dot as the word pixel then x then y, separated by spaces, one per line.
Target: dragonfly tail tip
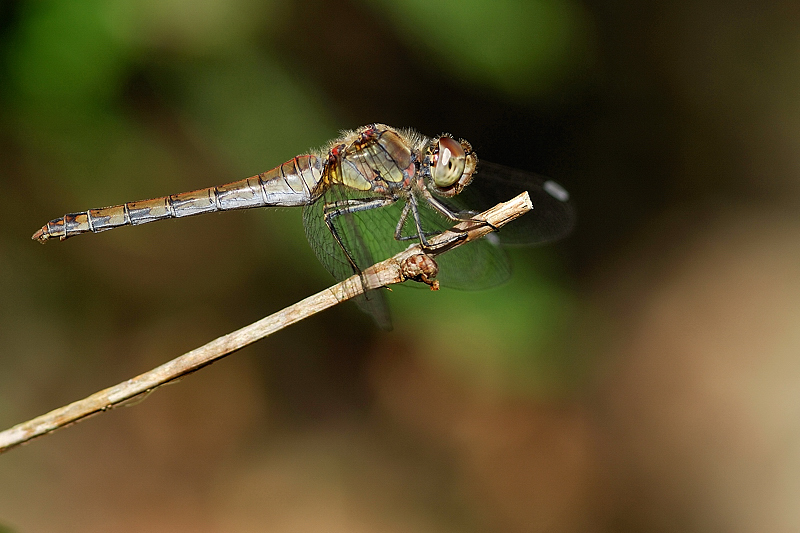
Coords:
pixel 41 235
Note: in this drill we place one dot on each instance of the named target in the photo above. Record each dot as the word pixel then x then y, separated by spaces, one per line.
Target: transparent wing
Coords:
pixel 369 237
pixel 355 236
pixel 552 218
pixel 477 265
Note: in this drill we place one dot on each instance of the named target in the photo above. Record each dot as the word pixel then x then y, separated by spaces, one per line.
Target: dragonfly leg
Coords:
pixel 400 223
pixel 412 203
pixel 398 231
pixel 455 216
pixel 352 205
pixel 457 236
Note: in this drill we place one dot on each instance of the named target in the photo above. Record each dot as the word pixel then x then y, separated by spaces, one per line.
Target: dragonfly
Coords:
pixel 365 197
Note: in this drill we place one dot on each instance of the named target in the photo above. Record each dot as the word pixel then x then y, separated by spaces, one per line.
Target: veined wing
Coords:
pixel 365 237
pixel 369 237
pixel 552 217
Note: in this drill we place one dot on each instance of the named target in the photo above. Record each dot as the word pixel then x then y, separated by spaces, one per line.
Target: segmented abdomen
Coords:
pixel 291 184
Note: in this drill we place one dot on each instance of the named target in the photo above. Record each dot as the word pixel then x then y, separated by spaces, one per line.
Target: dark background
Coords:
pixel 642 375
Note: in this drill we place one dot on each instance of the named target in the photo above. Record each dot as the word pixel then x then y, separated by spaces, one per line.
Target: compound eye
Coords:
pixel 449 162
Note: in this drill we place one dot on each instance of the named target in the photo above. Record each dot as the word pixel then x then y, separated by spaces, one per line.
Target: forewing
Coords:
pixel 369 236
pixel 552 217
pixel 477 265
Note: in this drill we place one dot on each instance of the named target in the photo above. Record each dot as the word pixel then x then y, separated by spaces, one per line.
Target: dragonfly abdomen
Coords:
pixel 290 184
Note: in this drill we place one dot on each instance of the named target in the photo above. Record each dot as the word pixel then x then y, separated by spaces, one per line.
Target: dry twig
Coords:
pixel 409 264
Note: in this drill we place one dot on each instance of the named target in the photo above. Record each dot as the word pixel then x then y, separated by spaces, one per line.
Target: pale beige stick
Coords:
pixel 409 264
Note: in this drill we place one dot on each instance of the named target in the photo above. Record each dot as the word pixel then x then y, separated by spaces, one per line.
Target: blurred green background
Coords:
pixel 642 375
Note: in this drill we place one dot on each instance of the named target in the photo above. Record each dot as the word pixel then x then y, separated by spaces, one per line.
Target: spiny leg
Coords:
pixel 412 202
pixel 457 235
pixel 412 207
pixel 352 205
pixel 455 216
pixel 398 230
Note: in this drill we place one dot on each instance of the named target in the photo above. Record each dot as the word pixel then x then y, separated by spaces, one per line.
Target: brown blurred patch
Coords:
pixel 700 407
pixel 148 466
pixel 336 478
pixel 524 465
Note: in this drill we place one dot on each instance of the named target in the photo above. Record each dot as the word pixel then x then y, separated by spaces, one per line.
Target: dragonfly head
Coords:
pixel 449 165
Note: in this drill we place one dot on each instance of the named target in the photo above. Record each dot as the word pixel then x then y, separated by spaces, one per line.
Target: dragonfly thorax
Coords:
pixel 384 160
pixel 376 159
